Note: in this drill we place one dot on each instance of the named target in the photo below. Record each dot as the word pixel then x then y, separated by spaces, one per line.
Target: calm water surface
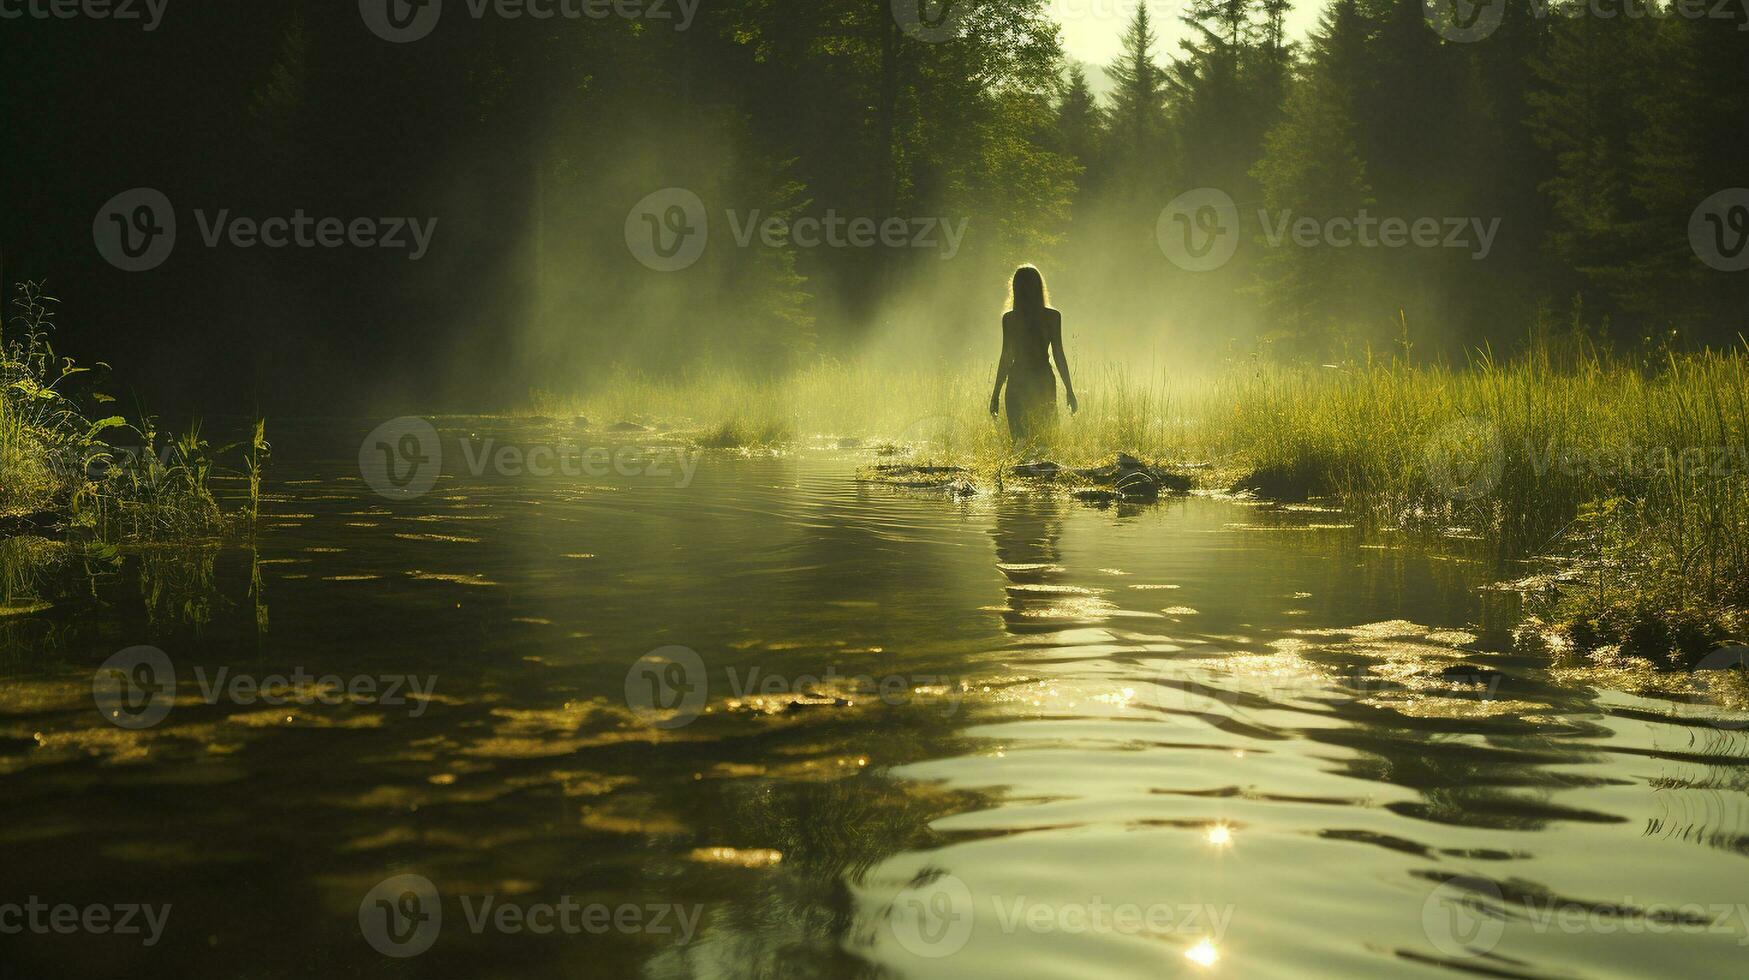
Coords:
pixel 999 737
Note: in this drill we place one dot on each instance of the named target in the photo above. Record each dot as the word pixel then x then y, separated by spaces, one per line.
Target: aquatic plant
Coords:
pixel 46 440
pixel 61 470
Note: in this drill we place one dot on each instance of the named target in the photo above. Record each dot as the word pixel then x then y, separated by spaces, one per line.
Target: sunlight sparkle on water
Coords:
pixel 1203 953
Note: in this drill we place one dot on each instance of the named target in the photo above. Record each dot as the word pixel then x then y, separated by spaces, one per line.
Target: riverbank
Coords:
pixel 69 474
pixel 1631 475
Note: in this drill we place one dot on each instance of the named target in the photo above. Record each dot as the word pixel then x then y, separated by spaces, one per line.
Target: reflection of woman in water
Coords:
pixel 1027 554
pixel 1030 329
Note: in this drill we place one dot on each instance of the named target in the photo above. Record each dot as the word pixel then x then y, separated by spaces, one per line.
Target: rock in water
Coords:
pixel 45 524
pixel 949 478
pixel 1132 479
pixel 1470 674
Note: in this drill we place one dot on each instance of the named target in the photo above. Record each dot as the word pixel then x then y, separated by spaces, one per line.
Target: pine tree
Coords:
pixel 1079 128
pixel 1137 115
pixel 1226 89
pixel 1586 111
pixel 1313 166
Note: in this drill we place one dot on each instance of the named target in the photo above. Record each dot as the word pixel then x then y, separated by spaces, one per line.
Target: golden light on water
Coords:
pixel 1220 835
pixel 1203 953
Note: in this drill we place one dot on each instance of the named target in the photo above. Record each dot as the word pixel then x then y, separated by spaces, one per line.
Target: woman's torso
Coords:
pixel 1030 340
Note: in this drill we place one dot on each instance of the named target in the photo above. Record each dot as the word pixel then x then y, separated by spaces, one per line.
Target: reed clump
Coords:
pixel 65 470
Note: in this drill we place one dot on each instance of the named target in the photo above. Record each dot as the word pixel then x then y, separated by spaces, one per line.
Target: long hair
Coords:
pixel 1027 295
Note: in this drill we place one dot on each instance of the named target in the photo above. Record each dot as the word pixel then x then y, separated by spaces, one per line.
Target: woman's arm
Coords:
pixel 1002 365
pixel 1063 362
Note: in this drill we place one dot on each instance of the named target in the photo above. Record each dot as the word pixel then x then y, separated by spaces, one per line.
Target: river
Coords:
pixel 763 719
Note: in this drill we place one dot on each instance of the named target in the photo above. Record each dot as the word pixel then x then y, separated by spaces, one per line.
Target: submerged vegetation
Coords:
pixel 96 482
pixel 1630 473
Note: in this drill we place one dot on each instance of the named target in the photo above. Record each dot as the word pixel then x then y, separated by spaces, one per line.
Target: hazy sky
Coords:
pixel 1092 29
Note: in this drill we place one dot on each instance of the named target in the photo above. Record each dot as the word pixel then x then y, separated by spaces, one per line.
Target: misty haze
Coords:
pixel 874 488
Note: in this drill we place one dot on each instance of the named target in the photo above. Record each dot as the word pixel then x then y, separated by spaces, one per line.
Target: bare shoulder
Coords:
pixel 1054 318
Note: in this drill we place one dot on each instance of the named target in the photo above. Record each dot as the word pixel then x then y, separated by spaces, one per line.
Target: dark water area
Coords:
pixel 759 719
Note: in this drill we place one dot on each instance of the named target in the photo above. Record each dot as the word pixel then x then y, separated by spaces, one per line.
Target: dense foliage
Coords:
pixel 1590 138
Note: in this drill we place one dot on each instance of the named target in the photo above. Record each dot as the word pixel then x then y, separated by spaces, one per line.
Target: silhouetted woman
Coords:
pixel 1030 331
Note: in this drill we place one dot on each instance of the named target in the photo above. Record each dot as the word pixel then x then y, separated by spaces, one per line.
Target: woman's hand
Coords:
pixel 995 404
pixel 1074 406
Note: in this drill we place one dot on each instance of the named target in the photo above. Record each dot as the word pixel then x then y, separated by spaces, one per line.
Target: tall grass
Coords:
pixel 46 440
pixel 1632 470
pixel 60 466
